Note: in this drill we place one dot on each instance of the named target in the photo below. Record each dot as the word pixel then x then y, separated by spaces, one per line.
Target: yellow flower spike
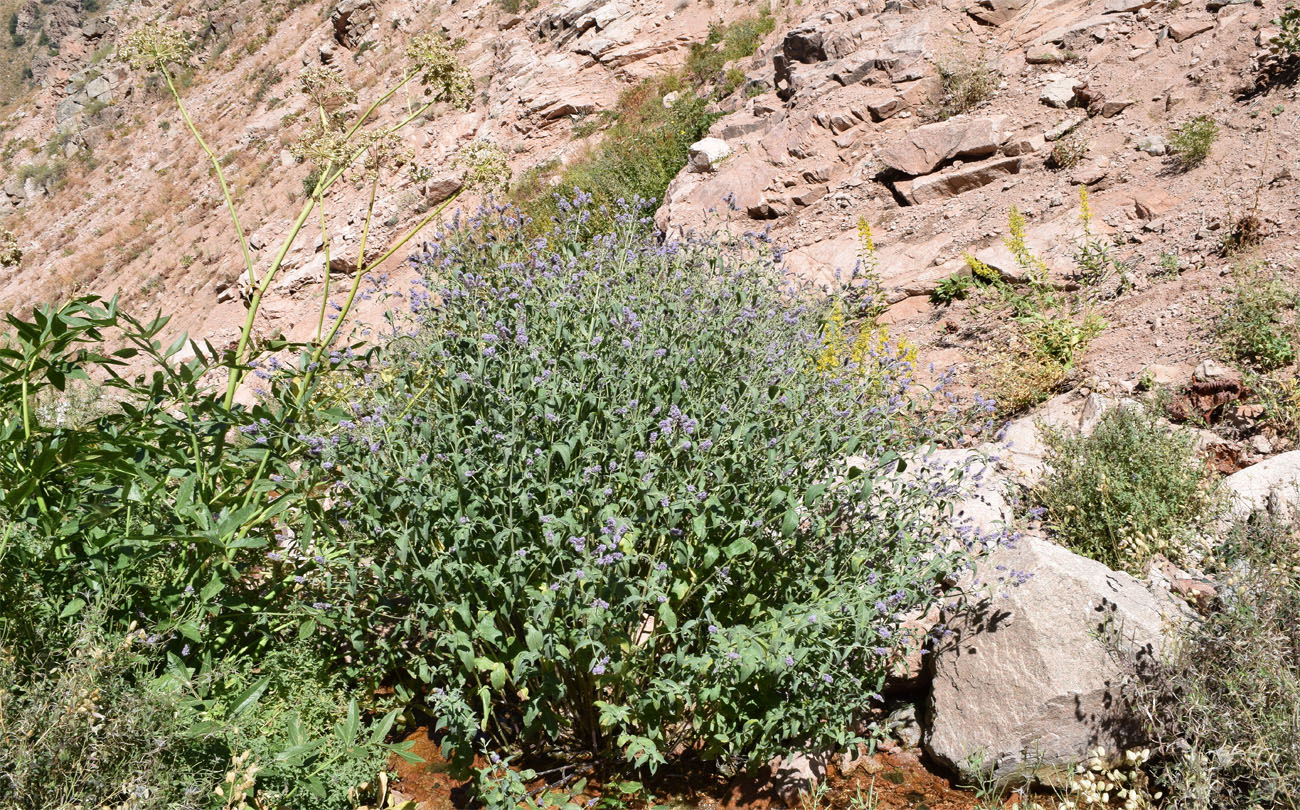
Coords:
pixel 1085 210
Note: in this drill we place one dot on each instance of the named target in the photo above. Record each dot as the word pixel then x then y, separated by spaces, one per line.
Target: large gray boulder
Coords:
pixel 1272 484
pixel 352 20
pixel 1026 681
pixel 926 148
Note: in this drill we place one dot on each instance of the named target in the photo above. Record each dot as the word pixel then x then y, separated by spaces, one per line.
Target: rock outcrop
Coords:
pixel 1027 682
pixel 1273 485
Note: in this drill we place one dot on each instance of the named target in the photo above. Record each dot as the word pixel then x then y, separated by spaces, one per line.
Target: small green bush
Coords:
pixel 965 82
pixel 1224 706
pixel 1061 338
pixel 1254 328
pixel 1069 150
pixel 638 157
pixel 1191 141
pixel 108 718
pixel 1131 489
pixel 49 174
pixel 953 288
pixel 705 60
pixel 1286 41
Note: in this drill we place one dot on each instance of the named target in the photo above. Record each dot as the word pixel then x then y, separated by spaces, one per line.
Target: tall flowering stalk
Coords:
pixel 335 146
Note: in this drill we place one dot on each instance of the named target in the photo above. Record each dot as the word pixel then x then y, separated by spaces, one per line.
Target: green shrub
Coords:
pixel 1060 338
pixel 49 174
pixel 1168 264
pixel 965 82
pixel 603 508
pixel 731 82
pixel 1190 142
pixel 1133 488
pixel 705 60
pixel 1254 328
pixel 1224 706
pixel 1069 150
pixel 111 718
pixel 88 725
pixel 953 288
pixel 1286 41
pixel 637 158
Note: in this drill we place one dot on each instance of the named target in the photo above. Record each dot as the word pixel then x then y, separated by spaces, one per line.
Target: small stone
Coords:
pixel 1113 107
pixel 1181 30
pixel 707 154
pixel 809 196
pixel 1058 92
pixel 1153 145
pixel 1063 128
pixel 1211 370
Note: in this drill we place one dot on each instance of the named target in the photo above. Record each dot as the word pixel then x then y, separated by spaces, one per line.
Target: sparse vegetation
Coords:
pixel 1224 704
pixel 953 288
pixel 724 44
pixel 965 82
pixel 1191 141
pixel 1257 327
pixel 1287 39
pixel 637 157
pixel 1241 232
pixel 1048 331
pixel 1069 150
pixel 1168 264
pixel 1133 488
pixel 49 174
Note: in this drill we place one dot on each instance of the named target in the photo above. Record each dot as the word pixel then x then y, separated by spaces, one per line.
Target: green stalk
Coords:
pixel 362 272
pixel 216 166
pixel 322 186
pixel 27 413
pixel 241 349
pixel 325 296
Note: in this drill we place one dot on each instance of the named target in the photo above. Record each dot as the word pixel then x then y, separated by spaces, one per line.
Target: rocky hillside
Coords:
pixel 929 121
pixel 1061 204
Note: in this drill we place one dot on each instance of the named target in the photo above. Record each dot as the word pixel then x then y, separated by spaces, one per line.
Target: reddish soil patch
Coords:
pixel 429 783
pixel 898 780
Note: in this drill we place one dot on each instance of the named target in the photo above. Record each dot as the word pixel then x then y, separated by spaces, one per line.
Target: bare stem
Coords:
pixel 325 296
pixel 216 167
pixel 364 269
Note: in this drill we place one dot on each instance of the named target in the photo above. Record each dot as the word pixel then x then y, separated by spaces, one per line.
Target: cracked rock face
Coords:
pixel 1026 681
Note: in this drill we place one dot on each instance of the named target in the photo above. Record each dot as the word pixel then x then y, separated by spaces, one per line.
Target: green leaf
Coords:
pixel 210 590
pixel 350 725
pixel 73 607
pixel 249 698
pixel 667 616
pixel 790 523
pixel 813 494
pixel 740 546
pixel 403 750
pixel 381 729
pixel 533 638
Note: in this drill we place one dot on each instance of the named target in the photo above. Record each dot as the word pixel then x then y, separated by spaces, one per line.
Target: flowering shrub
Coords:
pixel 1132 489
pixel 598 501
pixel 1222 707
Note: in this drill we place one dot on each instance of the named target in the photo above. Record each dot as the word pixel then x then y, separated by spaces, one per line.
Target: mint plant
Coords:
pixel 600 501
